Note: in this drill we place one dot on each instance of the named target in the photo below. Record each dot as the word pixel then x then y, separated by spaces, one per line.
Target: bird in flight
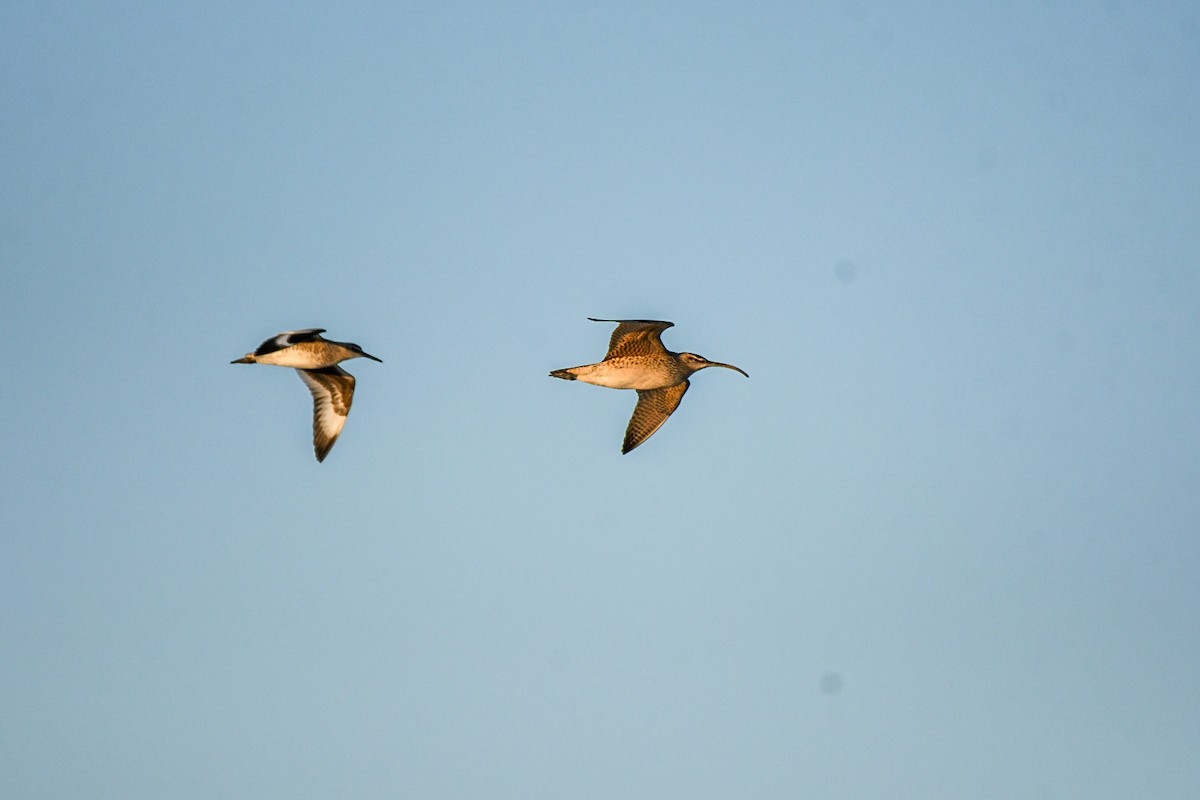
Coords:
pixel 316 362
pixel 637 359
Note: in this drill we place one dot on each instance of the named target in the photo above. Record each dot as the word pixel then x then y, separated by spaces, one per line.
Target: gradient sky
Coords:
pixel 943 543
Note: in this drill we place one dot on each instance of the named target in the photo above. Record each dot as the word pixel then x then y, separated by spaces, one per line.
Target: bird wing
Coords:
pixel 287 339
pixel 332 390
pixel 635 337
pixel 653 408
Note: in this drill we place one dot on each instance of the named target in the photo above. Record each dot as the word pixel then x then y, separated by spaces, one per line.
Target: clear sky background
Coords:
pixel 943 543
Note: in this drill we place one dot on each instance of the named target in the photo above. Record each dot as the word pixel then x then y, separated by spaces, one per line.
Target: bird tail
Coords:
pixel 565 374
pixel 246 359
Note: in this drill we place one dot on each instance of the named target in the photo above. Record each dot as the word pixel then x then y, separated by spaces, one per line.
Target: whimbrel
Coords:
pixel 316 362
pixel 637 359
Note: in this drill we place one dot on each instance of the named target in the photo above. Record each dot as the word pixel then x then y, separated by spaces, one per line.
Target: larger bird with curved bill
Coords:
pixel 316 362
pixel 637 359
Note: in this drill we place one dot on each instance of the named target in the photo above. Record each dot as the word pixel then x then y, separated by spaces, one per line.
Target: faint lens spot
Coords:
pixel 1139 64
pixel 985 159
pixel 831 683
pixel 845 271
pixel 1064 342
pixel 1035 539
pixel 1163 281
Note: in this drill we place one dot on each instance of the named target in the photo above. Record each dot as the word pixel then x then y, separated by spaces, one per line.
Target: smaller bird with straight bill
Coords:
pixel 316 362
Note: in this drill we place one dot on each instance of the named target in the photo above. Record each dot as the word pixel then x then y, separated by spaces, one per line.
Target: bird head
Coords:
pixel 358 352
pixel 696 363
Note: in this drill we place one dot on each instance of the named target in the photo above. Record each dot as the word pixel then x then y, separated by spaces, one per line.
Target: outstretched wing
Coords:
pixel 332 390
pixel 653 408
pixel 287 339
pixel 635 337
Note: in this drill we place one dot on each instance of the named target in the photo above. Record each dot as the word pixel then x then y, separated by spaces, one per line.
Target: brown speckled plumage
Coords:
pixel 637 359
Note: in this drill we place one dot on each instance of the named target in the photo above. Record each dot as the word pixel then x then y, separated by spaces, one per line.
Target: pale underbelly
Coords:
pixel 627 376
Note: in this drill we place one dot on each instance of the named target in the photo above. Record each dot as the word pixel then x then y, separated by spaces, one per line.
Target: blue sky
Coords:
pixel 941 544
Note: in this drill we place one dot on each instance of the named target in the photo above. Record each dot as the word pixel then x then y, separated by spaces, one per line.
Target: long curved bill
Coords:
pixel 727 366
